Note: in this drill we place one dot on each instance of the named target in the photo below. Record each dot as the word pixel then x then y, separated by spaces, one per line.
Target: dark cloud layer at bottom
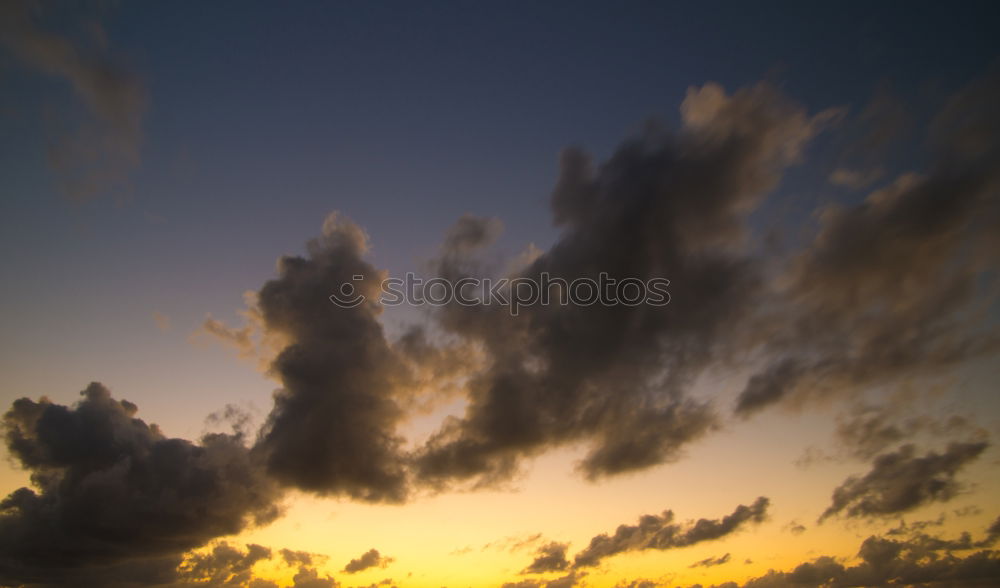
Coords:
pixel 117 502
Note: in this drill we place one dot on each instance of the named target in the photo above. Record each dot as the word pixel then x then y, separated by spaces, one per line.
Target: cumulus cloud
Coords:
pixel 103 151
pixel 661 532
pixel 115 499
pixel 224 564
pixel 369 559
pixel 919 561
pixel 615 377
pixel 332 428
pixel 902 481
pixel 550 557
pixel 568 581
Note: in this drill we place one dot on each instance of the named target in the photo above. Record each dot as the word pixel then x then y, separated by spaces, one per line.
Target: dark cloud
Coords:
pixel 865 430
pixel 345 387
pixel 224 565
pixel 370 559
pixel 901 481
pixel 383 582
pixel 919 561
pixel 310 578
pixel 332 429
pixel 114 501
pixel 298 558
pixel 661 532
pixel 638 584
pixel 470 233
pixel 665 205
pixel 709 562
pixel 102 152
pixel 893 287
pixel 550 557
pixel 568 581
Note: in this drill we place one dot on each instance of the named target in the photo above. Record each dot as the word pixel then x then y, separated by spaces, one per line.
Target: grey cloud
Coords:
pixel 227 565
pixel 370 559
pixel 470 233
pixel 709 562
pixel 224 565
pixel 889 288
pixel 116 501
pixel 921 561
pixel 901 481
pixel 866 430
pixel 310 578
pixel 616 378
pixel 568 581
pixel 297 558
pixel 102 153
pixel 638 584
pixel 332 428
pixel 661 532
pixel 550 557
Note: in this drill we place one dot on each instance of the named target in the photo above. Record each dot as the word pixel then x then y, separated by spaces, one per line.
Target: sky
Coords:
pixel 184 185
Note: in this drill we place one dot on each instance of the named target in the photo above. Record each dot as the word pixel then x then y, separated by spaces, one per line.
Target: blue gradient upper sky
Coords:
pixel 262 118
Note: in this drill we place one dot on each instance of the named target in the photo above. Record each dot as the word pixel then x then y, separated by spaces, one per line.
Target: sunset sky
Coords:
pixel 184 185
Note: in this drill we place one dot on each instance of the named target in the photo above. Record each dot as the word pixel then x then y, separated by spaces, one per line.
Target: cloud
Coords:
pixel 919 561
pixel 370 559
pixel 332 428
pixel 223 565
pixel 615 378
pixel 893 287
pixel 550 557
pixel 113 498
pixel 310 578
pixel 298 558
pixel 902 481
pixel 865 430
pixel 660 532
pixel 568 581
pixel 711 562
pixel 239 339
pixel 102 153
pixel 470 233
pixel 514 543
